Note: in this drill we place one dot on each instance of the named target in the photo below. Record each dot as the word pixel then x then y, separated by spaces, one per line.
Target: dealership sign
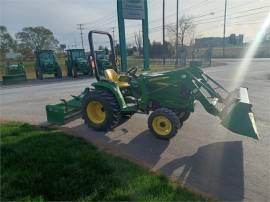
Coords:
pixel 133 9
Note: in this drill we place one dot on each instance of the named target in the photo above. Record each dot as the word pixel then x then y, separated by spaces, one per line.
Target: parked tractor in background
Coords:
pixel 104 61
pixel 14 73
pixel 77 63
pixel 46 64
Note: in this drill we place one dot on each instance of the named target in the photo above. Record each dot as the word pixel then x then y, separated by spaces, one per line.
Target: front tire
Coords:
pixel 58 73
pixel 183 116
pixel 164 123
pixel 100 110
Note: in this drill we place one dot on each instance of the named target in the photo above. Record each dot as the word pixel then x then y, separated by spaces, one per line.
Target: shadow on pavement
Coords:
pixel 215 168
pixel 144 147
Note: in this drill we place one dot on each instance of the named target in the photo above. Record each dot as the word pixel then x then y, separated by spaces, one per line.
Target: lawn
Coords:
pixel 39 164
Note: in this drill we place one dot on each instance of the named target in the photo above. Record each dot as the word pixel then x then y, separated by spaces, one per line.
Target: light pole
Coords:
pixel 177 33
pixel 224 29
pixel 164 57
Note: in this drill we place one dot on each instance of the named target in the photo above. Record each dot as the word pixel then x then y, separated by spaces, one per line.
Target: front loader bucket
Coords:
pixel 13 79
pixel 237 115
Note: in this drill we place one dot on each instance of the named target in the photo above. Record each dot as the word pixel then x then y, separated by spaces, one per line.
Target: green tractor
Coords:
pixel 77 63
pixel 46 64
pixel 169 98
pixel 103 60
pixel 14 73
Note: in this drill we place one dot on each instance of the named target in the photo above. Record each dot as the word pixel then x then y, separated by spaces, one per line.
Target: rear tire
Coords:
pixel 164 123
pixel 58 73
pixel 100 110
pixel 36 73
pixel 74 72
pixel 69 71
pixel 39 74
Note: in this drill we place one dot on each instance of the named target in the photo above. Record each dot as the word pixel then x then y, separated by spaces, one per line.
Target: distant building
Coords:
pixel 232 40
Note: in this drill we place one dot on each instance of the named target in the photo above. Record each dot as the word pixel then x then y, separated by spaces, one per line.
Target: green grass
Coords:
pixel 46 165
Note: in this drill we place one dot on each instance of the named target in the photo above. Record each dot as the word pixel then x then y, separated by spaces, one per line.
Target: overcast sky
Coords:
pixel 61 16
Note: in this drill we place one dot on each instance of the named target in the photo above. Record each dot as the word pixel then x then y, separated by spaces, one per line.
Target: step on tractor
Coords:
pixel 46 64
pixel 168 97
pixel 14 73
pixel 77 63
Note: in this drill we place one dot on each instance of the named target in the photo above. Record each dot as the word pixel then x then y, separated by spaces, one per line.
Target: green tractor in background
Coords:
pixel 169 98
pixel 104 61
pixel 77 63
pixel 14 73
pixel 46 64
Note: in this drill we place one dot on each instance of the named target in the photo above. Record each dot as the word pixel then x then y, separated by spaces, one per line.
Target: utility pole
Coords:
pixel 177 33
pixel 75 43
pixel 113 32
pixel 164 57
pixel 224 29
pixel 81 28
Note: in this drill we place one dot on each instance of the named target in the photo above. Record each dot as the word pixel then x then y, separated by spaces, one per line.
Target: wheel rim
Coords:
pixel 95 112
pixel 162 125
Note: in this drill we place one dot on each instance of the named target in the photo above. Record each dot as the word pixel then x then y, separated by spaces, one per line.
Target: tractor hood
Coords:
pixel 235 110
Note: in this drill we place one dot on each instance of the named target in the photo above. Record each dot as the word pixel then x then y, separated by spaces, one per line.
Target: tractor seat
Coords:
pixel 111 75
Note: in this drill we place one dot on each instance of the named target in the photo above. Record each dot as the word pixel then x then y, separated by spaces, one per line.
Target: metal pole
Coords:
pixel 122 36
pixel 145 37
pixel 177 33
pixel 81 28
pixel 113 31
pixel 224 29
pixel 164 54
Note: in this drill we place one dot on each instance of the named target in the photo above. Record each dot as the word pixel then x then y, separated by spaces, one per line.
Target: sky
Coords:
pixel 62 16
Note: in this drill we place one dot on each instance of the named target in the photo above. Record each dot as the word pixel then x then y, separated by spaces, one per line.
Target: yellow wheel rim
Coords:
pixel 162 125
pixel 95 112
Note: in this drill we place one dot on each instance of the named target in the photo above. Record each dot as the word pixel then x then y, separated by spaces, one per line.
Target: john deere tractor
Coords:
pixel 104 61
pixel 77 63
pixel 168 97
pixel 46 64
pixel 14 73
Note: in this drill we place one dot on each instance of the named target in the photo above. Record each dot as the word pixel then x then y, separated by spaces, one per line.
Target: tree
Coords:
pixel 36 38
pixel 63 46
pixel 138 42
pixel 186 30
pixel 6 41
pixel 156 50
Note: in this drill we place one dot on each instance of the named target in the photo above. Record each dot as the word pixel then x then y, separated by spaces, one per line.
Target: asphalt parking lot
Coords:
pixel 203 156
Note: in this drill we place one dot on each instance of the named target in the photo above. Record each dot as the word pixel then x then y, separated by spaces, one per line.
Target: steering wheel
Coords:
pixel 132 72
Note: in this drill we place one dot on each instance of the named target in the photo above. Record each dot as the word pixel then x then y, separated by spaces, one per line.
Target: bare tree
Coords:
pixel 138 41
pixel 186 30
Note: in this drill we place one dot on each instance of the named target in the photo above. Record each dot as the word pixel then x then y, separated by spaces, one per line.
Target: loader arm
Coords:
pixel 235 110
